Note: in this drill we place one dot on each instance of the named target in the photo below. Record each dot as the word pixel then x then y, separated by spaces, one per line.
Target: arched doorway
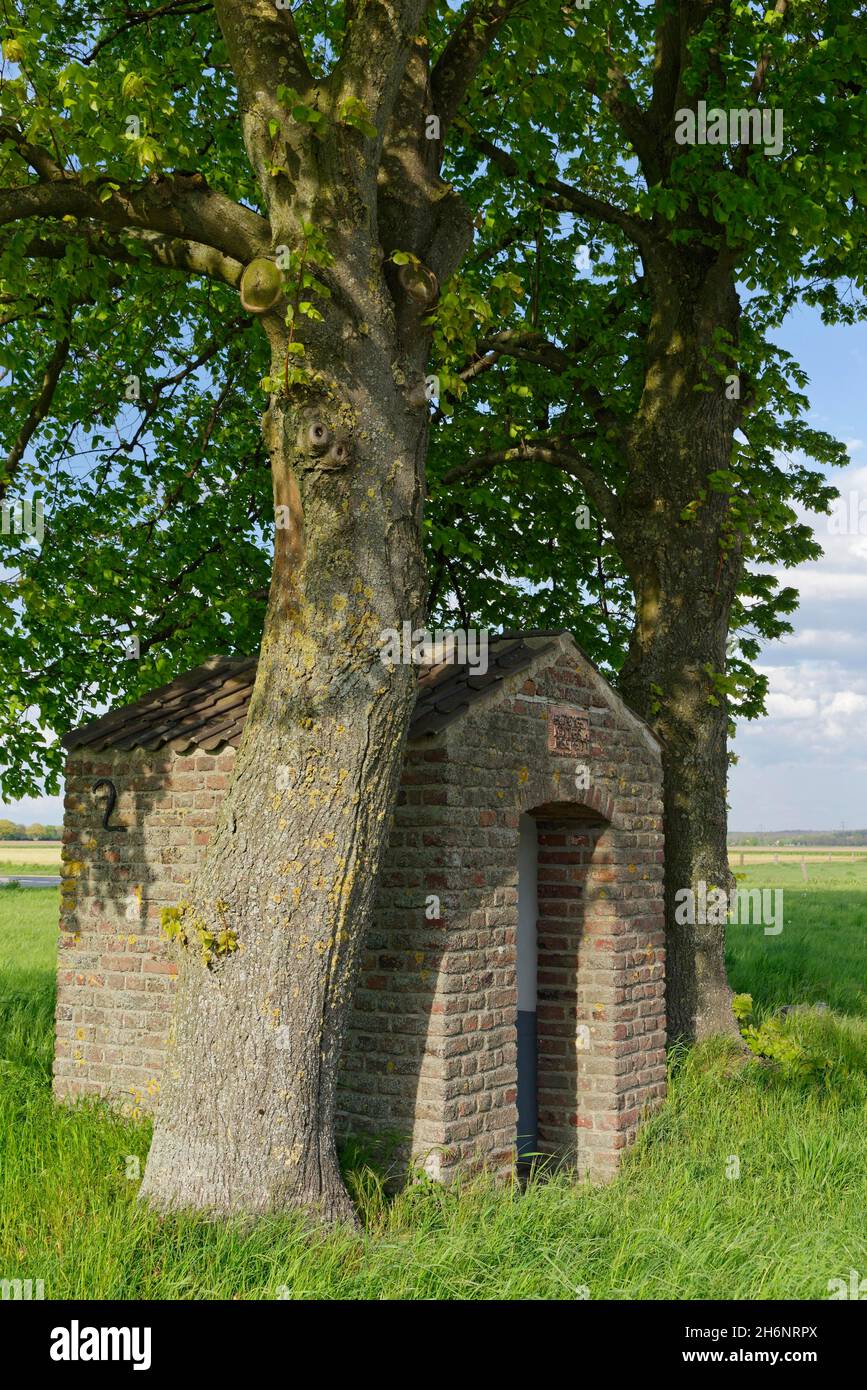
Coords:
pixel 562 984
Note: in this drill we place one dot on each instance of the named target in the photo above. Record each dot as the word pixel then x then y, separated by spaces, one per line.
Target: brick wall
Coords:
pixel 601 1011
pixel 431 1056
pixel 114 980
pixel 434 1038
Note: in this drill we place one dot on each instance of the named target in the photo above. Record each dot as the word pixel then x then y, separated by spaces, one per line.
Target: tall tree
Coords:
pixel 661 233
pixel 319 199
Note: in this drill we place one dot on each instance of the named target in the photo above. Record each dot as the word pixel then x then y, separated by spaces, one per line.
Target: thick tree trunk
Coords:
pixel 667 679
pixel 246 1116
pixel 685 574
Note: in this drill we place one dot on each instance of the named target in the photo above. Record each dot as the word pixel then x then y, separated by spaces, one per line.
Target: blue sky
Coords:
pixel 803 767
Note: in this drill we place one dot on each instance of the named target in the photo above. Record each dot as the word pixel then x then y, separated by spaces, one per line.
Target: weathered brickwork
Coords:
pixel 431 1056
pixel 115 980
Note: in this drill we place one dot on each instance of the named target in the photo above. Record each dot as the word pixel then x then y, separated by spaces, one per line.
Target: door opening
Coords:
pixel 527 970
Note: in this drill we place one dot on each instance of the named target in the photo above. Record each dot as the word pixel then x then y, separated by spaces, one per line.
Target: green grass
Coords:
pixel 673 1225
pixel 12 870
pixel 821 953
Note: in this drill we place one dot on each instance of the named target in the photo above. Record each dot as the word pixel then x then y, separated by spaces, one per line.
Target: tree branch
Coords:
pixel 175 7
pixel 175 205
pixel 562 197
pixel 764 62
pixel 529 346
pixel 378 40
pixel 263 46
pixel 756 86
pixel 172 253
pixel 464 54
pixel 537 451
pixel 622 103
pixel 666 63
pixel 34 155
pixel 37 412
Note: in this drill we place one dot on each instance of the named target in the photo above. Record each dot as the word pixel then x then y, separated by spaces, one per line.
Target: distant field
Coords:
pixel 760 854
pixel 821 953
pixel 21 858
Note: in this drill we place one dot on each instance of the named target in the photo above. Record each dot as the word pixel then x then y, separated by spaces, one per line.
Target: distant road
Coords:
pixel 31 881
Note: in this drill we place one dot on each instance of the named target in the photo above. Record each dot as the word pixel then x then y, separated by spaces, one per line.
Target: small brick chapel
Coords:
pixel 511 995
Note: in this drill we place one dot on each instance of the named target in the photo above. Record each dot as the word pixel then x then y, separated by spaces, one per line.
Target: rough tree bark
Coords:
pixel 246 1114
pixel 270 935
pixel 685 574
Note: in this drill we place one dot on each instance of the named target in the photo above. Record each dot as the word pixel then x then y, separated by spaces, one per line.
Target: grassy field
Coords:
pixel 20 858
pixel 676 1223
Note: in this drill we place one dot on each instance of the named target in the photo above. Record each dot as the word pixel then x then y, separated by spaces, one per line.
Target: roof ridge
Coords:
pixel 213 697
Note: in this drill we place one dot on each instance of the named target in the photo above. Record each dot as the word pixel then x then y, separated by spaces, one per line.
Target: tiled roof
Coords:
pixel 206 708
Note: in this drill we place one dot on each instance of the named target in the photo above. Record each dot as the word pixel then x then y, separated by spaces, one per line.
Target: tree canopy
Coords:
pixel 130 397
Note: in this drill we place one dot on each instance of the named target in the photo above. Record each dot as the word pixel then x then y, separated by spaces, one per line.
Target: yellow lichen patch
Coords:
pixel 523 774
pixel 180 925
pixel 73 868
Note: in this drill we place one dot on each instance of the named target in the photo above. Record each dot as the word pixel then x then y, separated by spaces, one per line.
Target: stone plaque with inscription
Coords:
pixel 568 732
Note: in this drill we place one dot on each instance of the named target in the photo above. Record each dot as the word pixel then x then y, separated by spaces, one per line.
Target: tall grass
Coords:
pixel 746 1185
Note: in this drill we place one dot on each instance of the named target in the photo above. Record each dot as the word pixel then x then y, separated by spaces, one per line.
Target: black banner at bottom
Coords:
pixel 84 1339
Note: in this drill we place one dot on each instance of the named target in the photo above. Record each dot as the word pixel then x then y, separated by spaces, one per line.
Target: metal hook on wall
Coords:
pixel 109 804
